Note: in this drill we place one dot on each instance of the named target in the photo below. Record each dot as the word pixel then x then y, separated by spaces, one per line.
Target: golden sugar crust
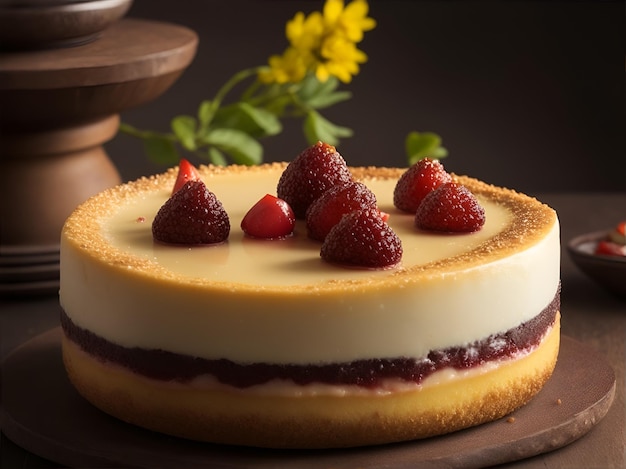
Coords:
pixel 324 421
pixel 531 221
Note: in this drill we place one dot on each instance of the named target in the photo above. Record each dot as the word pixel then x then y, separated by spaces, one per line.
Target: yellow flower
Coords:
pixel 305 33
pixel 287 68
pixel 322 43
pixel 351 20
pixel 342 59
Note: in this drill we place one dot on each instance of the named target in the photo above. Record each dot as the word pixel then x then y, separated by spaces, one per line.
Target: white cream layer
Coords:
pixel 276 301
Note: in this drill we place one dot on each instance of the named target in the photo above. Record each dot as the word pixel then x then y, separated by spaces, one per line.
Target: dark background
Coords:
pixel 525 94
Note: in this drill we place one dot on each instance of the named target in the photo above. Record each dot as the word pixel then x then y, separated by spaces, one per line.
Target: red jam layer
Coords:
pixel 168 366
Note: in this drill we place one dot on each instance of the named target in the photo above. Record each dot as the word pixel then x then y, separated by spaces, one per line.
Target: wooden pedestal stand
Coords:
pixel 57 108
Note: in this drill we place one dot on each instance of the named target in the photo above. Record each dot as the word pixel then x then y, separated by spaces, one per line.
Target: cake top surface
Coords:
pixel 115 227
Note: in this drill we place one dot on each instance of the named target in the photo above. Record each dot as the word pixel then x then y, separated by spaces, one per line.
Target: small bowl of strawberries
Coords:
pixel 602 256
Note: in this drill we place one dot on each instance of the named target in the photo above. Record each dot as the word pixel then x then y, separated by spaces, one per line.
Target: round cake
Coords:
pixel 261 342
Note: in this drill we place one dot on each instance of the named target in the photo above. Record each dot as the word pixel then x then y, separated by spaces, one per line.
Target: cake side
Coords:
pixel 380 375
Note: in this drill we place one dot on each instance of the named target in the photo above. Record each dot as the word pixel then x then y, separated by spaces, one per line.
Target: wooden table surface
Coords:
pixel 589 314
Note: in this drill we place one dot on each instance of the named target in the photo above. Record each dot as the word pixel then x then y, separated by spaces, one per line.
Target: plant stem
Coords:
pixel 232 82
pixel 145 134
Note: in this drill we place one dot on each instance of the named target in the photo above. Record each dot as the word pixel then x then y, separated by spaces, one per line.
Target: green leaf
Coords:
pixel 439 153
pixel 217 157
pixel 206 110
pixel 161 150
pixel 310 87
pixel 325 100
pixel 254 121
pixel 316 127
pixel 241 147
pixel 319 95
pixel 420 145
pixel 184 127
pixel 264 119
pixel 278 105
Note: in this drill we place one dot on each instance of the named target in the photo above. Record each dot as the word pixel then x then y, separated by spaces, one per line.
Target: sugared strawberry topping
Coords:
pixel 186 172
pixel 192 215
pixel 310 174
pixel 609 248
pixel 450 208
pixel 326 211
pixel 362 239
pixel 269 218
pixel 416 182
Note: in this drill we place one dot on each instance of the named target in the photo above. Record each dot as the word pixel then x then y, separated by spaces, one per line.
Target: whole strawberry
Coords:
pixel 310 174
pixel 192 215
pixel 416 182
pixel 326 211
pixel 362 239
pixel 450 208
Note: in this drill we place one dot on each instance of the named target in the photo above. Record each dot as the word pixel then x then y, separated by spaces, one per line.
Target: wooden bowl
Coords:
pixel 57 23
pixel 608 271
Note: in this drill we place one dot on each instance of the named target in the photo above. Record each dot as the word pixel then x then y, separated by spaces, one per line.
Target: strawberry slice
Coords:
pixel 609 248
pixel 450 208
pixel 186 172
pixel 269 218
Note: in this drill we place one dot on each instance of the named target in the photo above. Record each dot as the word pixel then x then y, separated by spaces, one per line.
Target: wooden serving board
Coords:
pixel 45 415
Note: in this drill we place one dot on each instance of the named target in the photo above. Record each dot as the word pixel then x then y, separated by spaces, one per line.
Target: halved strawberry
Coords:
pixel 416 182
pixel 186 172
pixel 450 208
pixel 315 170
pixel 362 239
pixel 269 218
pixel 326 211
pixel 192 215
pixel 609 248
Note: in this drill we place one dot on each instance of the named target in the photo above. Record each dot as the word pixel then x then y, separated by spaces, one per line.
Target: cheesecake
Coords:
pixel 261 342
